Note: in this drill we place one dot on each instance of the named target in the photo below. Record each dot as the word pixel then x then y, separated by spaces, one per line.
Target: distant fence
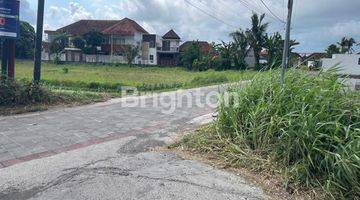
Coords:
pixel 85 58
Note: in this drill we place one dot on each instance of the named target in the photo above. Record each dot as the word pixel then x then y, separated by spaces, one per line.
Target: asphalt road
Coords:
pixel 103 151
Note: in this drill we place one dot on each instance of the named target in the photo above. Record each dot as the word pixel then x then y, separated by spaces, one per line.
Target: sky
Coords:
pixel 316 23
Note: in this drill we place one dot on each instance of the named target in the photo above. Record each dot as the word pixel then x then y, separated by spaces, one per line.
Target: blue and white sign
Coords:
pixel 9 18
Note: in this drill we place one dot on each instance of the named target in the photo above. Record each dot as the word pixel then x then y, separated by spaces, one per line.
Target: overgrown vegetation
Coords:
pixel 16 97
pixel 309 129
pixel 13 93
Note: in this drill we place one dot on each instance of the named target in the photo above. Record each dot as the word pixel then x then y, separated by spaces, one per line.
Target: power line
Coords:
pixel 271 12
pixel 213 10
pixel 247 5
pixel 210 15
pixel 233 9
pixel 256 9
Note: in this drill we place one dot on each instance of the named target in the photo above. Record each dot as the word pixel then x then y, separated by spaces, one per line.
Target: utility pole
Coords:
pixel 38 42
pixel 285 59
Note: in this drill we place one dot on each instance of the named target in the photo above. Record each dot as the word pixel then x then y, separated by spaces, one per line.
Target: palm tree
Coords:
pixel 240 49
pixel 343 45
pixel 346 45
pixel 350 44
pixel 256 36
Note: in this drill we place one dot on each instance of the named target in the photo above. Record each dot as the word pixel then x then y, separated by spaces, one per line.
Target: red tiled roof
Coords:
pixel 82 27
pixel 171 35
pixel 125 27
pixel 204 46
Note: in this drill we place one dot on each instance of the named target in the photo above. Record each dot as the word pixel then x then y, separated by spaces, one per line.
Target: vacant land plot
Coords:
pixel 111 77
pixel 75 84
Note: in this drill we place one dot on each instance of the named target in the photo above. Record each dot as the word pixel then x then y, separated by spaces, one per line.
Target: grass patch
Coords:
pixel 308 131
pixel 210 79
pixel 110 78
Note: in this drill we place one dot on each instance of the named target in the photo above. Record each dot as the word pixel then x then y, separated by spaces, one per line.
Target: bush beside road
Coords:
pixel 307 132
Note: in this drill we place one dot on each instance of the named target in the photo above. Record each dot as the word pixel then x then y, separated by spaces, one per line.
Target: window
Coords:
pixel 166 45
pixel 106 40
pixel 152 44
pixel 151 58
pixel 119 41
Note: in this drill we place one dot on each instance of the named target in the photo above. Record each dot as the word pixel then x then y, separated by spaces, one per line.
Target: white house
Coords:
pixel 349 64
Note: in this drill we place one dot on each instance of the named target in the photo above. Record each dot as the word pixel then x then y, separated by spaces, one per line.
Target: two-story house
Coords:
pixel 168 52
pixel 117 36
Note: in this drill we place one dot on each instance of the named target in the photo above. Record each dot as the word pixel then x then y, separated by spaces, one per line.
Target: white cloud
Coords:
pixel 350 28
pixel 26 13
pixel 61 16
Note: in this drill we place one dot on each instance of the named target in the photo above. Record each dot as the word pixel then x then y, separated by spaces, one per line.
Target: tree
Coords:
pixel 93 39
pixel 332 49
pixel 346 45
pixel 130 53
pixel 191 53
pixel 351 42
pixel 225 51
pixel 26 42
pixel 274 46
pixel 58 45
pixel 256 36
pixel 240 49
pixel 79 43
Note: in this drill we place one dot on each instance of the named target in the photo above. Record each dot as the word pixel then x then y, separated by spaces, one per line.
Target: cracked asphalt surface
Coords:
pixel 124 167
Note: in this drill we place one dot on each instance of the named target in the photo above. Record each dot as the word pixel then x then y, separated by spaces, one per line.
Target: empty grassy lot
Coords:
pixel 76 84
pixel 111 77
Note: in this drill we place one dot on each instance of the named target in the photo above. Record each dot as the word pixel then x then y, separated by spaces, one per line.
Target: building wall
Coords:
pixel 349 63
pixel 50 57
pixel 250 59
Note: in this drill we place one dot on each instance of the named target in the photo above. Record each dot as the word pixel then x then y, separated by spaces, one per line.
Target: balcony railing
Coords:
pixel 168 49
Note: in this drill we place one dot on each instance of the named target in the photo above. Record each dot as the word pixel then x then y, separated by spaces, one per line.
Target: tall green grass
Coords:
pixel 310 129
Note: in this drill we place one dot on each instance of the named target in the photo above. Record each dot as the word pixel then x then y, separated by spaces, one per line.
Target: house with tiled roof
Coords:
pixel 117 36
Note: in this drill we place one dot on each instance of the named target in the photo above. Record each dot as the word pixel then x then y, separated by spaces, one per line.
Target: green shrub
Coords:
pixel 9 90
pixel 65 70
pixel 200 65
pixel 310 128
pixel 14 93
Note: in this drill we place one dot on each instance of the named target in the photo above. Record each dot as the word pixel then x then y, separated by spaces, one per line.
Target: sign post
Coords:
pixel 9 32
